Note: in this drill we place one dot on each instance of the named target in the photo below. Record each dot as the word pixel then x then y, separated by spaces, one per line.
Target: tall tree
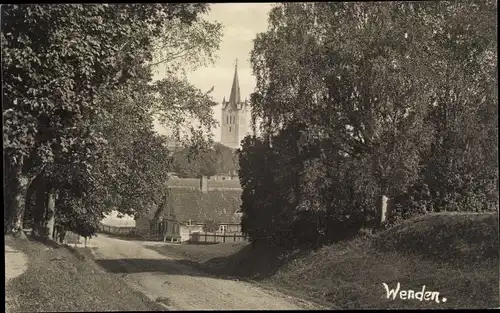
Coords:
pixel 358 88
pixel 462 167
pixel 60 62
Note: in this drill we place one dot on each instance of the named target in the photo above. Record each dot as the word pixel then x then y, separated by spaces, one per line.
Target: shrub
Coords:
pixel 210 226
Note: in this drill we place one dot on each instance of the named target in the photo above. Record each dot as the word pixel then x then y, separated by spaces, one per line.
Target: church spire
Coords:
pixel 235 96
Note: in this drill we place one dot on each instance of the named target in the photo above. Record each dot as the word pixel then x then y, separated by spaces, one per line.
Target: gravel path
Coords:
pixel 16 263
pixel 179 286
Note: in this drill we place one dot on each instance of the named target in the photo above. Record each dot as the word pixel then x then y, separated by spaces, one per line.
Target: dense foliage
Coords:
pixel 218 159
pixel 356 101
pixel 79 104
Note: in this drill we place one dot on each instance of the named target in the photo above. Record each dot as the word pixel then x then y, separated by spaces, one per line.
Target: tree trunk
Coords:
pixel 6 212
pixel 40 208
pixel 10 187
pixel 14 223
pixel 14 213
pixel 50 215
pixel 44 215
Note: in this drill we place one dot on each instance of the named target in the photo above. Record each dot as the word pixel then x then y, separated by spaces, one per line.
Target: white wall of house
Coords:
pixel 185 231
pixel 112 219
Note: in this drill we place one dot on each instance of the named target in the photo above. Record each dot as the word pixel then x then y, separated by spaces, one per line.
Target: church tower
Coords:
pixel 235 116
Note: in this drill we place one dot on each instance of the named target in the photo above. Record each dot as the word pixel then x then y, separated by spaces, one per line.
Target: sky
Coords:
pixel 241 22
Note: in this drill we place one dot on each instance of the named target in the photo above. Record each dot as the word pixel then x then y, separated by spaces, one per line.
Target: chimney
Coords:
pixel 204 184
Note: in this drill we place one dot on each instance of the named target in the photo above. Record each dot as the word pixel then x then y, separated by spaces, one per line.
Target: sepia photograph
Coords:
pixel 250 156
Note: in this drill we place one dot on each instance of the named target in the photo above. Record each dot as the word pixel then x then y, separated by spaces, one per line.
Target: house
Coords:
pixel 195 208
pixel 225 176
pixel 192 203
pixel 115 219
pixel 212 184
pixel 163 228
pixel 160 224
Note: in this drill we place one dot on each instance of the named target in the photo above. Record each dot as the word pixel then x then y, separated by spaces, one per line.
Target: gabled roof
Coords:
pixel 217 205
pixel 186 201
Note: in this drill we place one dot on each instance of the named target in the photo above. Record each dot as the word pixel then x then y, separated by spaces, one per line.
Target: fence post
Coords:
pixel 223 238
pixel 234 237
pixel 215 237
pixel 205 236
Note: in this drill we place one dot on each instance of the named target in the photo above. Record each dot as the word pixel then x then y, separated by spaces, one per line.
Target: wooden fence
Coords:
pixel 199 237
pixel 127 231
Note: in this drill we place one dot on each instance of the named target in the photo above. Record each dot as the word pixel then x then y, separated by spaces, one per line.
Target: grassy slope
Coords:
pixel 59 279
pixel 454 254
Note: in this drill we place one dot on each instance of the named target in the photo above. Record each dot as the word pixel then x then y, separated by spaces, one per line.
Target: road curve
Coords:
pixel 179 286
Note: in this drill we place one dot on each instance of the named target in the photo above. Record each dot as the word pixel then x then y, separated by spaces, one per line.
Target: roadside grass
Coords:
pixel 66 279
pixel 456 255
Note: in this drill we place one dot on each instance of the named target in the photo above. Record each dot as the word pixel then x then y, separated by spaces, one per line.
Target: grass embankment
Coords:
pixel 64 279
pixel 456 255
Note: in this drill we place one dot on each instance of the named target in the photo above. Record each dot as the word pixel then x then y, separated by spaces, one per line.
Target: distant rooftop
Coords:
pixel 221 206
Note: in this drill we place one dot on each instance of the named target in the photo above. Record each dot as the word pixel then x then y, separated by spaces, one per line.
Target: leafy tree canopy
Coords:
pixel 218 159
pixel 356 100
pixel 79 101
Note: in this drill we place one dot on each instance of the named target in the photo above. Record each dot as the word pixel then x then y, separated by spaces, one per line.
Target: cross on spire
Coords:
pixel 236 63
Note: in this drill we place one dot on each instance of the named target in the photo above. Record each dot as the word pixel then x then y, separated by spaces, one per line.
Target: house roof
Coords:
pixel 217 205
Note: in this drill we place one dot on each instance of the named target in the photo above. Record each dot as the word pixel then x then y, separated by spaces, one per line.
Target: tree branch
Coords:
pixel 175 56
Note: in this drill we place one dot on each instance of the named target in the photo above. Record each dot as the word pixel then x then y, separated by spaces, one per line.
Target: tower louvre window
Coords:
pixel 229 128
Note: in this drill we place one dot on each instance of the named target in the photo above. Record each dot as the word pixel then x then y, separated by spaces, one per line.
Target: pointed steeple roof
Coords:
pixel 235 96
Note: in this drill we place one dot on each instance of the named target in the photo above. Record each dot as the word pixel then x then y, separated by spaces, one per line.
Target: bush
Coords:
pixel 210 227
pixel 295 197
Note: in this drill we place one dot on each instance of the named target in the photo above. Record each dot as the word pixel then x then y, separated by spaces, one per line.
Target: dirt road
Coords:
pixel 16 263
pixel 179 286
